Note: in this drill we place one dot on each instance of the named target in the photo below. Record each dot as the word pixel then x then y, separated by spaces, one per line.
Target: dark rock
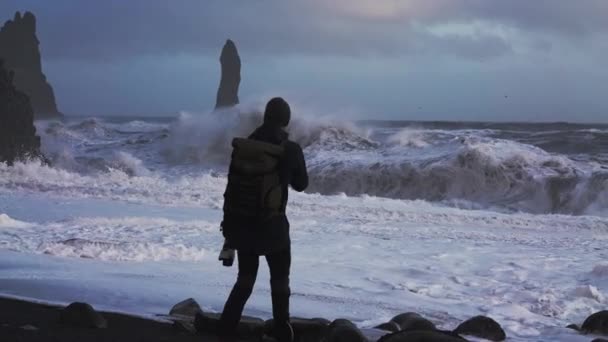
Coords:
pixel 573 327
pixel 411 321
pixel 18 139
pixel 342 330
pixel 321 320
pixel 185 308
pixel 600 340
pixel 422 336
pixel 481 326
pixel 389 326
pixel 228 92
pixel 250 327
pixel 184 326
pixel 82 315
pixel 596 324
pixel 374 334
pixel 19 48
pixel 305 330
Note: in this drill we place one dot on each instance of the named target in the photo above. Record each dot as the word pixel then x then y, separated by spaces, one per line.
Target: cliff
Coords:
pixel 19 47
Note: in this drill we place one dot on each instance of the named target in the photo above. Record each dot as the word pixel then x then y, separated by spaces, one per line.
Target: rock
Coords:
pixel 411 321
pixel 374 334
pixel 599 340
pixel 596 323
pixel 305 330
pixel 481 326
pixel 185 308
pixel 342 330
pixel 389 326
pixel 183 326
pixel 248 326
pixel 573 327
pixel 422 336
pixel 19 48
pixel 82 315
pixel 18 139
pixel 228 91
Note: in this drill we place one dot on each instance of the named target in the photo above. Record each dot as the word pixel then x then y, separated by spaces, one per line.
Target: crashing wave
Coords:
pixel 492 173
pixel 487 167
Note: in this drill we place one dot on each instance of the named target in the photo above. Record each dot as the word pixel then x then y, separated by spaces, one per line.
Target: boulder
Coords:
pixel 250 327
pixel 411 321
pixel 228 91
pixel 389 326
pixel 342 330
pixel 573 327
pixel 18 139
pixel 19 47
pixel 82 315
pixel 374 334
pixel 481 326
pixel 422 336
pixel 184 327
pixel 185 308
pixel 596 324
pixel 305 330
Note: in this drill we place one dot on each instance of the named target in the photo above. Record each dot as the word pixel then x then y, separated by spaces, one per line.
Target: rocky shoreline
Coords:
pixel 31 322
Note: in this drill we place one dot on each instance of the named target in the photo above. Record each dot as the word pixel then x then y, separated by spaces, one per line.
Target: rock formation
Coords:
pixel 82 315
pixel 19 49
pixel 18 138
pixel 228 92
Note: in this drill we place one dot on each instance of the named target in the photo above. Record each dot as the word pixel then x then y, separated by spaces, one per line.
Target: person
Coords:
pixel 262 230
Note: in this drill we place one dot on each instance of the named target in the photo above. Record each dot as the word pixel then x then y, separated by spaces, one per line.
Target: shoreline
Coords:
pixel 26 321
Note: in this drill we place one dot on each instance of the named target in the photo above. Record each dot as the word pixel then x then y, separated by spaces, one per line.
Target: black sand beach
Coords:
pixel 22 321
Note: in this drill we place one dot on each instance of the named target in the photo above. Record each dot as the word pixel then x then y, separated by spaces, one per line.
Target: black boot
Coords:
pixel 283 332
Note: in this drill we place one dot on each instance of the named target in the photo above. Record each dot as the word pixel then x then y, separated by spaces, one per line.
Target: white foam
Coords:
pixel 408 137
pixel 7 222
pixel 464 168
pixel 129 164
pixel 379 257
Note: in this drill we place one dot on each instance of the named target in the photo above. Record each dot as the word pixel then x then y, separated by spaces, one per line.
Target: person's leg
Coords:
pixel 279 264
pixel 233 310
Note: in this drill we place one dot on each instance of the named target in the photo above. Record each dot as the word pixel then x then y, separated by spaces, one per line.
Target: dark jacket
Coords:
pixel 272 235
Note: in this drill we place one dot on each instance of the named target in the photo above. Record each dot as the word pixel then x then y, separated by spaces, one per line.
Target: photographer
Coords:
pixel 262 168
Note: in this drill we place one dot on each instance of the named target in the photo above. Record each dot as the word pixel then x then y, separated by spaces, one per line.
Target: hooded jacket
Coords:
pixel 272 235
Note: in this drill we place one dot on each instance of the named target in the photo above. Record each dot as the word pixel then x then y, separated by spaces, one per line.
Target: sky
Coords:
pixel 487 60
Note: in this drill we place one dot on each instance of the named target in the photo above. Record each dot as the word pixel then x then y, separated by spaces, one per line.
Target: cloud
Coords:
pixel 105 30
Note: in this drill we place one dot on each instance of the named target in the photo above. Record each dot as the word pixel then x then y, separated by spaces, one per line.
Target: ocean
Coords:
pixel 449 219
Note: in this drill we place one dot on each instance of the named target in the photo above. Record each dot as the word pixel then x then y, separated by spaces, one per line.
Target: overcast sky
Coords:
pixel 517 60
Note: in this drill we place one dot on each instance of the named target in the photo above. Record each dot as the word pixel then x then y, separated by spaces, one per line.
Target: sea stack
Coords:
pixel 18 138
pixel 228 92
pixel 19 47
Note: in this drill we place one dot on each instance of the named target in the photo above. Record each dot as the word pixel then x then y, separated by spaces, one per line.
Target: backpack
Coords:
pixel 254 189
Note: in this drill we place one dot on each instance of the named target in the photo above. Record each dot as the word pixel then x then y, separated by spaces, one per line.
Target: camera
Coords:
pixel 227 255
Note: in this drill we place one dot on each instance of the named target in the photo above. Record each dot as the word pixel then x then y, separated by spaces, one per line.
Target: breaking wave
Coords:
pixel 479 167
